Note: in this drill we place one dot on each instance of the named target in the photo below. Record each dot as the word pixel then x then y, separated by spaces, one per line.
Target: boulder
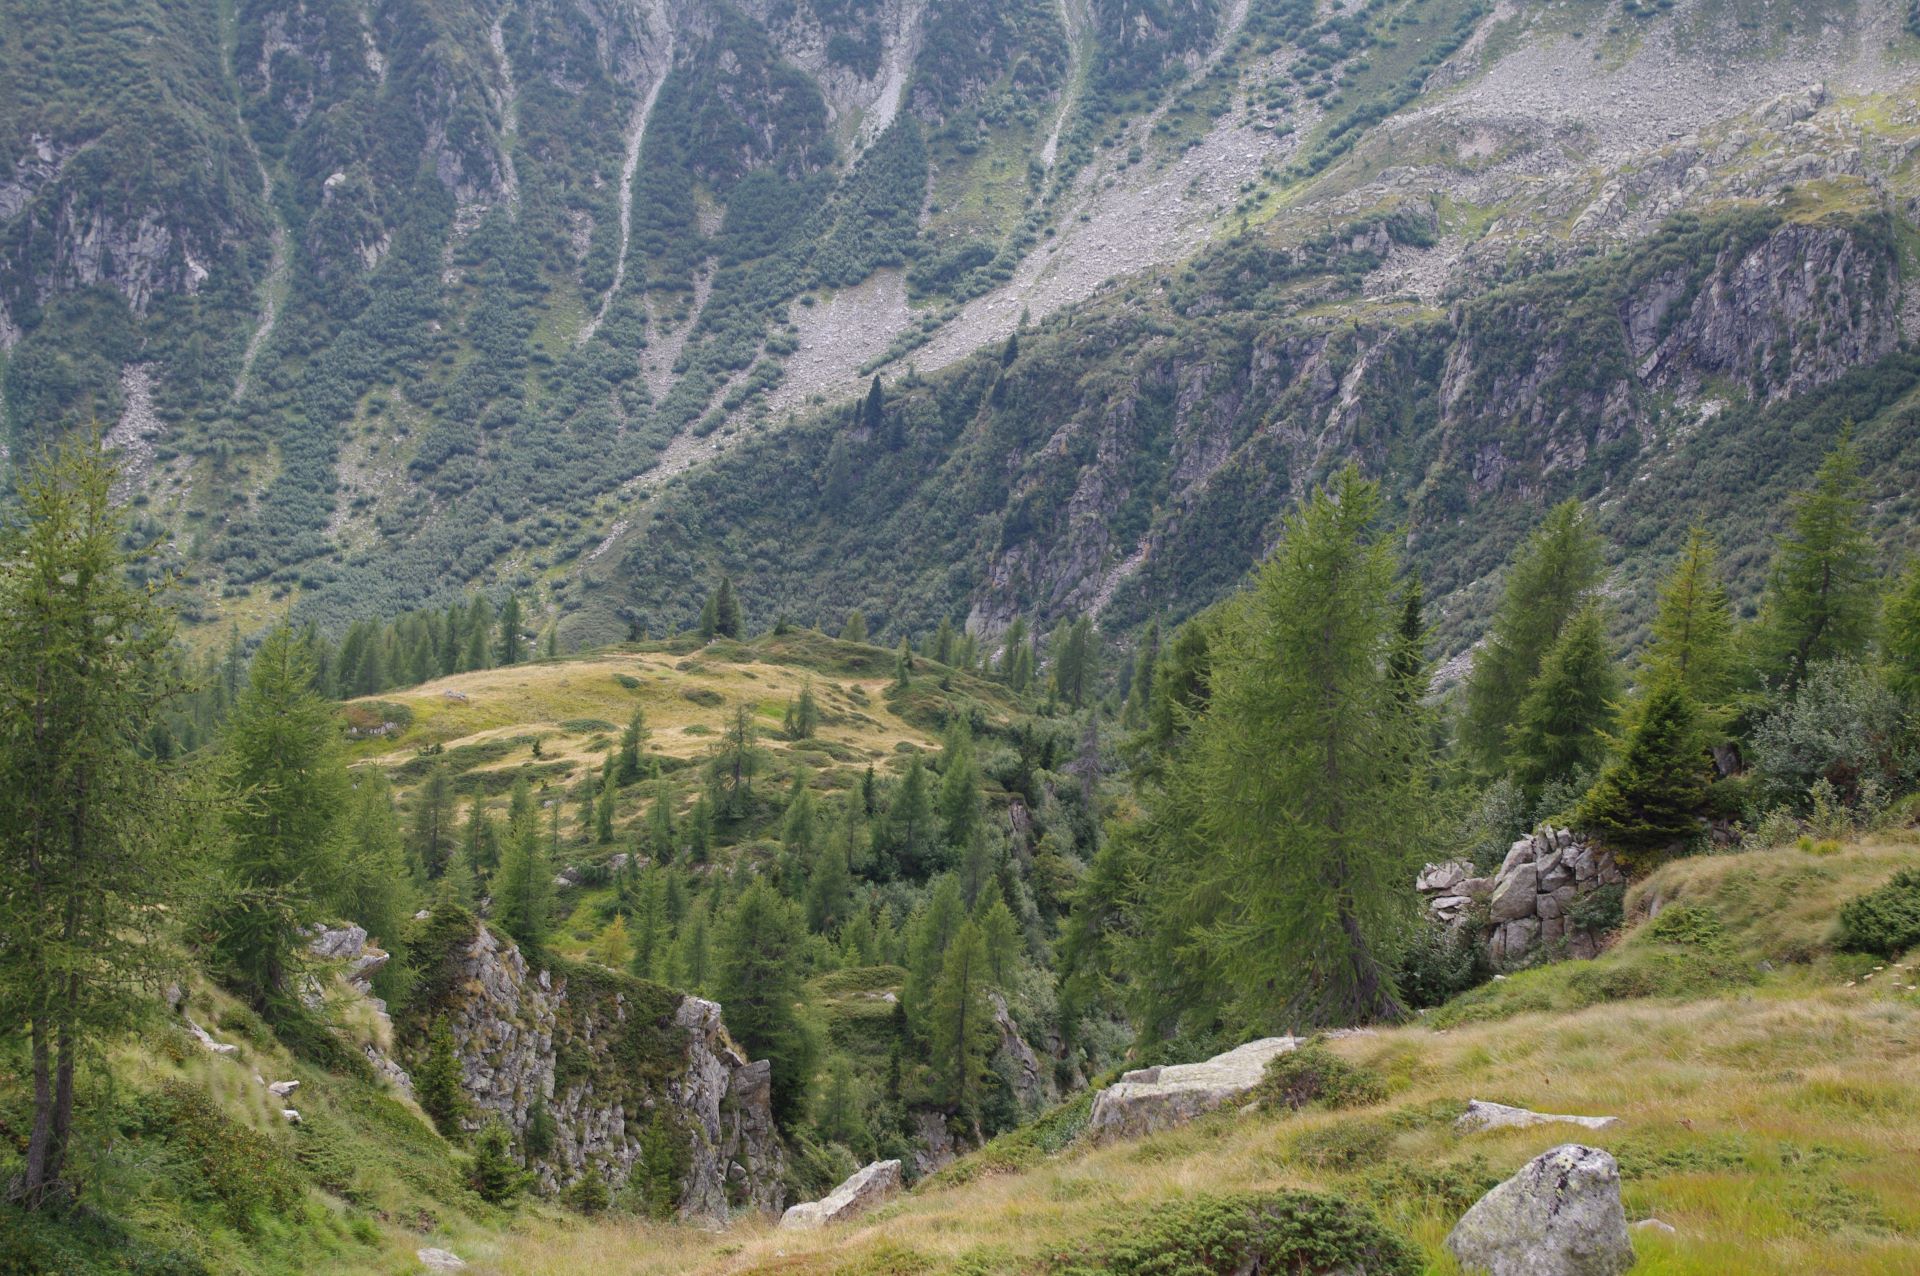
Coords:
pixel 867 1188
pixel 206 1040
pixel 1150 1099
pixel 337 943
pixel 1440 879
pixel 440 1260
pixel 290 1115
pixel 1482 1115
pixel 1559 1216
pixel 1515 893
pixel 281 1089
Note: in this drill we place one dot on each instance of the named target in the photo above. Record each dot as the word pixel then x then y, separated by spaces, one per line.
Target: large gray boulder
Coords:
pixel 1559 1216
pixel 1150 1099
pixel 867 1188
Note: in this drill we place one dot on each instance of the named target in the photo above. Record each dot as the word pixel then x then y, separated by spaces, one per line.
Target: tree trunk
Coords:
pixel 31 1188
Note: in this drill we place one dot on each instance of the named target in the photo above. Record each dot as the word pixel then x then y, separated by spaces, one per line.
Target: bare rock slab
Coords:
pixel 1559 1216
pixel 869 1187
pixel 1482 1115
pixel 440 1260
pixel 1151 1099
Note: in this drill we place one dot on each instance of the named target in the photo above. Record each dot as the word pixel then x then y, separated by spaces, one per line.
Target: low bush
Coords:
pixel 1440 963
pixel 1314 1076
pixel 1300 1233
pixel 1884 921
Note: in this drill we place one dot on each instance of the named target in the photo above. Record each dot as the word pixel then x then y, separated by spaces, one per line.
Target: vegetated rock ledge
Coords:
pixel 1531 902
pixel 615 1071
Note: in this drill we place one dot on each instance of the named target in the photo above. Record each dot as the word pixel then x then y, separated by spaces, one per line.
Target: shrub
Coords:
pixel 1441 962
pixel 588 1193
pixel 1315 1076
pixel 1600 910
pixel 1294 1232
pixel 214 1158
pixel 1686 925
pixel 1844 727
pixel 1884 921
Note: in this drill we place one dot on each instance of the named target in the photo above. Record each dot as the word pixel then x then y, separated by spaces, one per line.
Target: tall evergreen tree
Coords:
pixel 603 812
pixel 433 821
pixel 524 885
pixel 1560 726
pixel 929 931
pixel 855 630
pixel 909 832
pixel 1000 936
pixel 374 888
pixel 626 768
pixel 1551 576
pixel 287 775
pixel 1651 796
pixel 873 413
pixel 660 835
pixel 1693 636
pixel 87 856
pixel 903 664
pixel 1900 637
pixel 727 620
pixel 802 718
pixel 829 889
pixel 760 963
pixel 1294 901
pixel 1821 594
pixel 942 649
pixel 960 1022
pixel 480 841
pixel 960 805
pixel 513 644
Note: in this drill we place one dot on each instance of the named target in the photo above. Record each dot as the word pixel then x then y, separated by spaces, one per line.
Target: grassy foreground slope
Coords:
pixel 1768 1085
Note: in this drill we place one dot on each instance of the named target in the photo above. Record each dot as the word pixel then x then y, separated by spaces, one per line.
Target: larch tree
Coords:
pixel 760 963
pixel 1296 900
pixel 1561 725
pixel 1900 636
pixel 433 821
pixel 286 772
pixel 1693 632
pixel 960 1022
pixel 86 859
pixel 513 643
pixel 1552 574
pixel 1822 592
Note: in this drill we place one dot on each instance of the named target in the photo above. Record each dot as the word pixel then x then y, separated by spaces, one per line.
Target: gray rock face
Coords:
pixel 867 1188
pixel 505 1021
pixel 440 1260
pixel 1031 1079
pixel 1151 1099
pixel 1482 1115
pixel 1559 1216
pixel 1529 900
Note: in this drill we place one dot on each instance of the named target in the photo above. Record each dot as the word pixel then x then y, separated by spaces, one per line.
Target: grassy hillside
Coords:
pixel 1767 1102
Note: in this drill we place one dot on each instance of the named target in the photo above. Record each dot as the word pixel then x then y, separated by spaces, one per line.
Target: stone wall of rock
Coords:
pixel 1527 905
pixel 529 1038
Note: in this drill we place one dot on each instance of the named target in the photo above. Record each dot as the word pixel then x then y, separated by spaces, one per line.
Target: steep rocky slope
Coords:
pixel 457 293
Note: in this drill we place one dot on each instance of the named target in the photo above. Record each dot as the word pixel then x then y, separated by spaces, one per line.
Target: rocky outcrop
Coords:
pixel 1028 1075
pixel 1482 1115
pixel 866 1189
pixel 1559 1216
pixel 1528 904
pixel 1150 1099
pixel 624 1070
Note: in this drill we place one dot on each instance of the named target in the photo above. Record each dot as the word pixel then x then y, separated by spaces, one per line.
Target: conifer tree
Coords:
pixel 1820 597
pixel 727 620
pixel 960 806
pixel 1551 576
pixel 1560 726
pixel 481 841
pixel 587 793
pixel 89 854
pixel 798 831
pixel 1651 796
pixel 513 645
pixel 693 954
pixel 524 885
pixel 802 718
pixel 730 772
pixel 660 835
pixel 374 888
pixel 1140 685
pixel 1293 897
pixel 960 1024
pixel 873 412
pixel 437 1080
pixel 929 931
pixel 903 664
pixel 1000 936
pixel 1407 662
pixel 829 890
pixel 287 774
pixel 1692 646
pixel 456 886
pixel 855 630
pixel 910 828
pixel 433 821
pixel 627 768
pixel 942 650
pixel 760 963
pixel 603 816
pixel 709 622
pixel 1900 637
pixel 611 948
pixel 699 831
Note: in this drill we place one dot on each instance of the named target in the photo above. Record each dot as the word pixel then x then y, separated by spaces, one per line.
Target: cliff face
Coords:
pixel 633 1077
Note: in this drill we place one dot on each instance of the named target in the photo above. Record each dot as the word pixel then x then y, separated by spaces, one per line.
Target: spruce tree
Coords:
pixel 760 963
pixel 374 888
pixel 1295 898
pixel 90 851
pixel 903 665
pixel 802 718
pixel 437 1080
pixel 1407 662
pixel 660 835
pixel 603 816
pixel 481 841
pixel 929 931
pixel 873 412
pixel 524 884
pixel 651 931
pixel 709 622
pixel 942 651
pixel 693 954
pixel 829 890
pixel 1000 935
pixel 1821 594
pixel 1652 795
pixel 1560 726
pixel 1551 576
